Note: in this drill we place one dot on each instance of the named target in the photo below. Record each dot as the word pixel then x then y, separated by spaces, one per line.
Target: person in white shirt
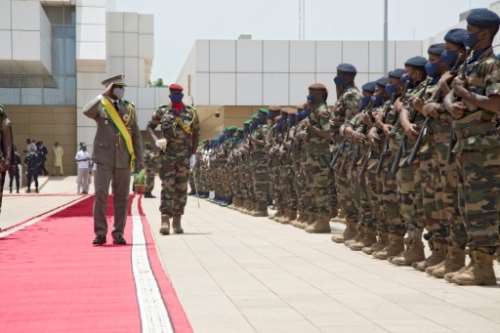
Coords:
pixel 83 161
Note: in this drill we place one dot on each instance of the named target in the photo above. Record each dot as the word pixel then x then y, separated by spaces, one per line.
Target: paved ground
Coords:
pixel 53 193
pixel 236 273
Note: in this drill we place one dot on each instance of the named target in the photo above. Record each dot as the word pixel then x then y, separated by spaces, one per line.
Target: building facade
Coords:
pixel 232 78
pixel 53 56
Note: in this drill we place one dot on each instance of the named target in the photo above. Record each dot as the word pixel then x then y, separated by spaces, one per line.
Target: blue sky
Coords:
pixel 179 23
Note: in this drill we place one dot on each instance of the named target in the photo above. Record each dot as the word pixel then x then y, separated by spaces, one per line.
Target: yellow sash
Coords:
pixel 187 128
pixel 118 122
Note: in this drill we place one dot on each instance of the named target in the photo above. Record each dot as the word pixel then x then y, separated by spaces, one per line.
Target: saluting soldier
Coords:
pixel 117 151
pixel 180 134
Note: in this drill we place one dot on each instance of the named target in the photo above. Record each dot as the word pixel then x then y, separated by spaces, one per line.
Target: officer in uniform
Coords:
pixel 117 150
pixel 180 133
pixel 151 167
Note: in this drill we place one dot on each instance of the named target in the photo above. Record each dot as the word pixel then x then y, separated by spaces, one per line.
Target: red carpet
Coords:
pixel 53 280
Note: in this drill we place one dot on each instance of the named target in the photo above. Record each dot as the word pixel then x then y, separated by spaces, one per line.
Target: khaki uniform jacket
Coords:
pixel 109 147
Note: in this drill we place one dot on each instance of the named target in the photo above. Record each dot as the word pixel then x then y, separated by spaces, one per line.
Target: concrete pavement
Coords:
pixel 236 273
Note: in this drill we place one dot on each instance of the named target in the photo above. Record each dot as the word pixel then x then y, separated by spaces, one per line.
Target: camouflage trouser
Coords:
pixel 390 202
pixel 317 184
pixel 446 196
pixel 202 180
pixel 261 182
pixel 303 199
pixel 344 192
pixel 192 185
pixel 435 221
pixel 410 198
pixel 333 193
pixel 290 189
pixel 368 184
pixel 359 194
pixel 277 181
pixel 376 198
pixel 150 179
pixel 174 174
pixel 478 159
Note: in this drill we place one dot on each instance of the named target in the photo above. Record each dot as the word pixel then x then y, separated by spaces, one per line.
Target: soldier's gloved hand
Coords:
pixel 161 144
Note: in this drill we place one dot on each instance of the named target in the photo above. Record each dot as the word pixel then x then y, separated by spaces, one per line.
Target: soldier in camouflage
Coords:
pixel 151 168
pixel 180 133
pixel 474 104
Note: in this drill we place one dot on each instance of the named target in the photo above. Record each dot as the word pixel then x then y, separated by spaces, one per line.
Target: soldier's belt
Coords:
pixel 463 131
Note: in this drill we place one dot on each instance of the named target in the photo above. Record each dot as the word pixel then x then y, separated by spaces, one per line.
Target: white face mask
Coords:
pixel 119 92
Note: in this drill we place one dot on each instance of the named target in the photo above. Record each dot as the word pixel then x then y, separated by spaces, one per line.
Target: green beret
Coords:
pixel 264 111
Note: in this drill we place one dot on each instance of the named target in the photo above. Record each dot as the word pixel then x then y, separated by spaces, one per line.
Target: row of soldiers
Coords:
pixel 413 157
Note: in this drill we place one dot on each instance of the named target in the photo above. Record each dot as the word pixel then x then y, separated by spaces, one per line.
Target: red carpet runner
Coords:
pixel 53 280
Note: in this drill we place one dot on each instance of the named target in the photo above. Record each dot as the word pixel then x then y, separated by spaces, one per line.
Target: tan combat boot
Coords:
pixel 320 225
pixel 455 260
pixel 261 210
pixel 395 247
pixel 165 225
pixel 369 238
pixel 450 276
pixel 359 237
pixel 300 219
pixel 304 221
pixel 349 233
pixel 480 273
pixel 176 225
pixel 414 251
pixel 290 216
pixel 438 254
pixel 379 245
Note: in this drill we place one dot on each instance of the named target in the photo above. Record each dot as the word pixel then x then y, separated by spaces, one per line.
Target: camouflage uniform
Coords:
pixel 151 167
pixel 316 165
pixel 478 160
pixel 345 108
pixel 179 130
pixel 260 169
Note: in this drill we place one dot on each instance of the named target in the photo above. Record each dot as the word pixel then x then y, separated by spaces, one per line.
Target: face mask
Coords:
pixel 119 92
pixel 176 98
pixel 432 69
pixel 339 82
pixel 313 99
pixel 363 103
pixel 391 90
pixel 471 39
pixel 449 57
pixel 377 101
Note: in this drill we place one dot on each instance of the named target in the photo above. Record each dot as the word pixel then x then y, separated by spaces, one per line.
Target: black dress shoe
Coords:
pixel 119 241
pixel 99 240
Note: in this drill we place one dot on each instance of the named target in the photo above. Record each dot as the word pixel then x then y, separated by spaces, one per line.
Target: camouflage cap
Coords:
pixel 264 111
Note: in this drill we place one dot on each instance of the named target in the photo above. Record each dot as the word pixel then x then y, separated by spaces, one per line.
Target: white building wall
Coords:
pixel 254 72
pixel 25 34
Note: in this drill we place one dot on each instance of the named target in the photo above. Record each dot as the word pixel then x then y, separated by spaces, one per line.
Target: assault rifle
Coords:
pixel 404 142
